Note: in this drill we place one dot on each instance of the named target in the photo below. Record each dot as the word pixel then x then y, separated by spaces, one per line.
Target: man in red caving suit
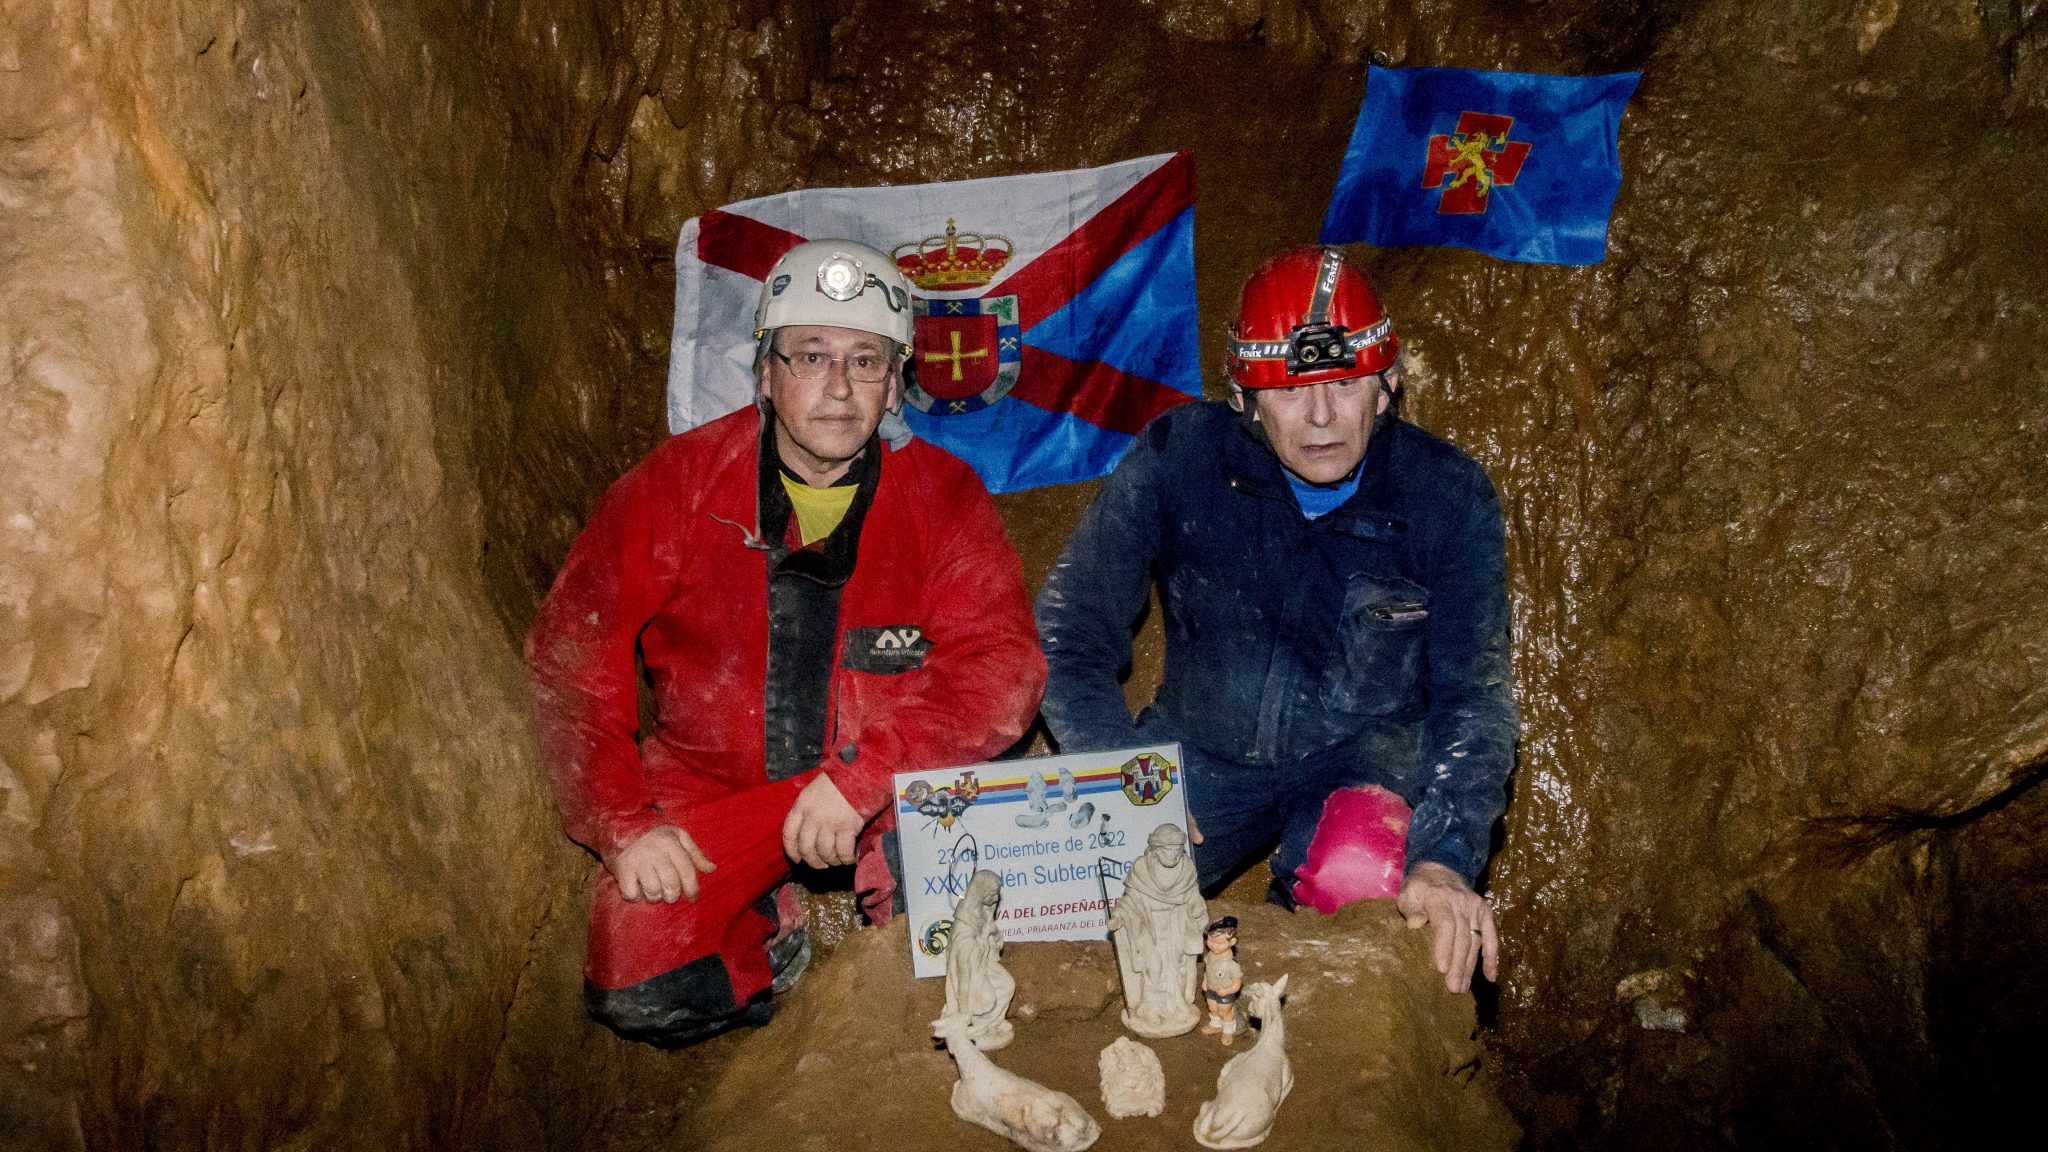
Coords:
pixel 815 610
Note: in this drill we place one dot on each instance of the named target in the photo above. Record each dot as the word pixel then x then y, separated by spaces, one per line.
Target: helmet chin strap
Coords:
pixel 906 380
pixel 894 429
pixel 1246 404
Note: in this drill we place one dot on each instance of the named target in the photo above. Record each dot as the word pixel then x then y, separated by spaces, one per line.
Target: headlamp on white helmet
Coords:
pixel 837 283
pixel 842 277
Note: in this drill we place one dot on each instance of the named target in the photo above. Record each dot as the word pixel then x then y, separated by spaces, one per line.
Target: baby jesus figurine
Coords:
pixel 1222 979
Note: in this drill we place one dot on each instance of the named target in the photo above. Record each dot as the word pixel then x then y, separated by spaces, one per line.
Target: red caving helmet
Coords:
pixel 1307 316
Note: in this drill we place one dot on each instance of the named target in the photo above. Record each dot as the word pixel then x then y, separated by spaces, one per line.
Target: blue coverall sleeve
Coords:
pixel 1467 744
pixel 1091 600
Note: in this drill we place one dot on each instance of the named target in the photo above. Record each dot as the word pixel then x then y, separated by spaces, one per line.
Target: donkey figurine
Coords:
pixel 1250 1088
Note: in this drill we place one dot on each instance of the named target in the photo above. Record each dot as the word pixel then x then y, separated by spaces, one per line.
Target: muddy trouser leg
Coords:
pixel 1237 809
pixel 674 974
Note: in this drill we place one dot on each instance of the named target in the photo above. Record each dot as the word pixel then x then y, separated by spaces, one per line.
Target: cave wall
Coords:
pixel 275 839
pixel 326 324
pixel 1798 654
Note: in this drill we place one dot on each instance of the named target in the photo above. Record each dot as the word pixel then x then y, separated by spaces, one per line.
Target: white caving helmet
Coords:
pixel 836 282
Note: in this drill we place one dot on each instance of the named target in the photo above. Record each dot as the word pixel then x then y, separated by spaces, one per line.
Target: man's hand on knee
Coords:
pixel 661 865
pixel 822 828
pixel 1433 894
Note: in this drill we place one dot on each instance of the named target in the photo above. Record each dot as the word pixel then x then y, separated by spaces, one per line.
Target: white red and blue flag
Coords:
pixel 1056 312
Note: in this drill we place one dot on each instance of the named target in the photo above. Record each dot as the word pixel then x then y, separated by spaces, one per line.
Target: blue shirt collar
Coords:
pixel 1318 499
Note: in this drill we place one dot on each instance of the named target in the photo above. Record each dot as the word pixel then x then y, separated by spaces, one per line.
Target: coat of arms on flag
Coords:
pixel 1520 165
pixel 968 350
pixel 1055 312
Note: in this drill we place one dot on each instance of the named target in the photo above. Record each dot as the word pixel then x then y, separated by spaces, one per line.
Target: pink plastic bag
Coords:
pixel 1360 846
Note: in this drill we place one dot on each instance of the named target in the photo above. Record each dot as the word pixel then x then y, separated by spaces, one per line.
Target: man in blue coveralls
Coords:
pixel 1336 616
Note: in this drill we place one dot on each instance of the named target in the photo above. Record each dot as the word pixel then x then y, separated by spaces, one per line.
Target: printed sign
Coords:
pixel 1060 830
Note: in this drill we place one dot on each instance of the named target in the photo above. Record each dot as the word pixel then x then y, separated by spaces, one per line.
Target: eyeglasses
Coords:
pixel 861 367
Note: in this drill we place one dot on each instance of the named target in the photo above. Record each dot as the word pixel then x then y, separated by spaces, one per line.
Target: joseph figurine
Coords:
pixel 1157 924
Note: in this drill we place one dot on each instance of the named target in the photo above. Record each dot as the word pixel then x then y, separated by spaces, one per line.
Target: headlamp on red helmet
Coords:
pixel 1307 316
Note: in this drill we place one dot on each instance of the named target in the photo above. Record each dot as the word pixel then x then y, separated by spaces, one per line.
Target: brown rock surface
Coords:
pixel 274 828
pixel 324 325
pixel 1383 1057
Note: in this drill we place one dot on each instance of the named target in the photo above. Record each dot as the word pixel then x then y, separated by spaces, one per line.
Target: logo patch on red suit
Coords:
pixel 886 649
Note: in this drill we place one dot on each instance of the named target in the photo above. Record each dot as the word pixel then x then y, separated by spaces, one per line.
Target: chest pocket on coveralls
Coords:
pixel 869 660
pixel 1379 666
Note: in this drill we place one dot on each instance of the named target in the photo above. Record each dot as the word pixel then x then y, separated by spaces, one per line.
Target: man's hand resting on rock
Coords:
pixel 661 865
pixel 1433 894
pixel 822 828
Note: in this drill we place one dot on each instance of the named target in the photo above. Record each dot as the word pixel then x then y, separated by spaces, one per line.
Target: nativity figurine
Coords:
pixel 1026 1113
pixel 1157 925
pixel 978 987
pixel 1250 1088
pixel 1133 1081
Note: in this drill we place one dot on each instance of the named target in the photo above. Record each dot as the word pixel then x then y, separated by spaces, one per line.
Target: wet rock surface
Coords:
pixel 325 325
pixel 276 846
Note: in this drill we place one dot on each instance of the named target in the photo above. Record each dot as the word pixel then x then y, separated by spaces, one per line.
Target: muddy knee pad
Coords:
pixel 682 1006
pixel 1358 851
pixel 789 949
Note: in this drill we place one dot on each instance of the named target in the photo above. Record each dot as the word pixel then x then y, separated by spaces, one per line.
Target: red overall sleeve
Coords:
pixel 586 704
pixel 982 678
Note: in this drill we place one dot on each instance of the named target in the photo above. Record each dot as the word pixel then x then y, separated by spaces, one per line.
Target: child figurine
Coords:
pixel 1221 979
